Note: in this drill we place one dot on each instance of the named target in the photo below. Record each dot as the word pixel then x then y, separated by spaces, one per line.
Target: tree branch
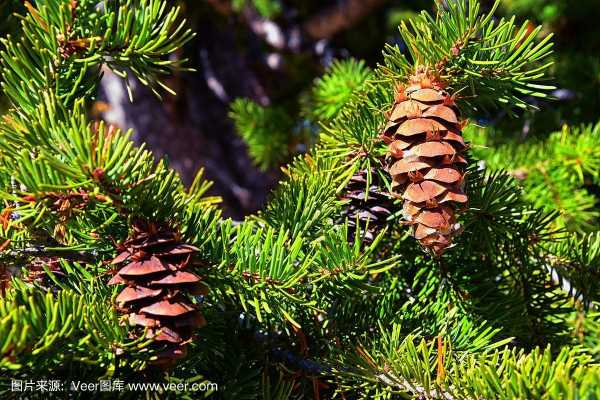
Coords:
pixel 339 17
pixel 323 25
pixel 41 251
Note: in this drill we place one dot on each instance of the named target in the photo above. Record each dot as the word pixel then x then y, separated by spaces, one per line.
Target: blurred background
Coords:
pixel 273 52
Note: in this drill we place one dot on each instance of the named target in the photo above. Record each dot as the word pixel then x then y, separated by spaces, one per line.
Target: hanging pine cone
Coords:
pixel 158 289
pixel 370 206
pixel 425 143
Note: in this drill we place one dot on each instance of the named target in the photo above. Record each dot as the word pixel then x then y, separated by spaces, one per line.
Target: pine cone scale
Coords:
pixel 177 278
pixel 441 112
pixel 136 293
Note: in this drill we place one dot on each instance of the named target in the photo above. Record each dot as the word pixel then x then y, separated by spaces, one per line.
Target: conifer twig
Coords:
pixel 41 251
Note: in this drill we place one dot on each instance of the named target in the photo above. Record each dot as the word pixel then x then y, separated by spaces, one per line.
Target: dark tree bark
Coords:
pixel 193 129
pixel 339 17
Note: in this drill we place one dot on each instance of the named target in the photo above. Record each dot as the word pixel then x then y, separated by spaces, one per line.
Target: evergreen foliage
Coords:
pixel 266 8
pixel 341 81
pixel 557 171
pixel 295 309
pixel 266 130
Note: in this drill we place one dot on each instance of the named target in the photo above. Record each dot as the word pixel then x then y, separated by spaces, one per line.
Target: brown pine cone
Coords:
pixel 426 148
pixel 157 290
pixel 36 273
pixel 370 206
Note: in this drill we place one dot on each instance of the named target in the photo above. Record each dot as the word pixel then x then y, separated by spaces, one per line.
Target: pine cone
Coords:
pixel 425 143
pixel 36 273
pixel 369 205
pixel 158 289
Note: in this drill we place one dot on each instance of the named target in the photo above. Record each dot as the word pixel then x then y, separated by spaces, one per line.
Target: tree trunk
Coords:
pixel 193 130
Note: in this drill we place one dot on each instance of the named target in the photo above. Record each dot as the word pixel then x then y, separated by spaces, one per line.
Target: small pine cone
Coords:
pixel 427 168
pixel 158 289
pixel 36 273
pixel 371 206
